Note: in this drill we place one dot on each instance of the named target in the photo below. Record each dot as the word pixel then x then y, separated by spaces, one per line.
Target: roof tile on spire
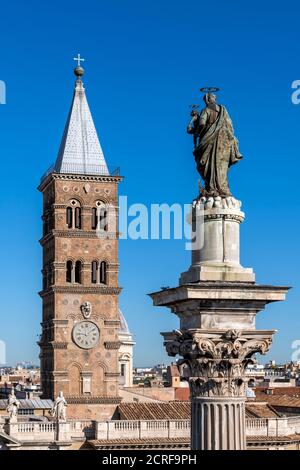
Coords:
pixel 80 150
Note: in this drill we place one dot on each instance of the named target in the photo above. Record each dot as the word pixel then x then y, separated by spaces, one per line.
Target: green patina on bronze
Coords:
pixel 216 147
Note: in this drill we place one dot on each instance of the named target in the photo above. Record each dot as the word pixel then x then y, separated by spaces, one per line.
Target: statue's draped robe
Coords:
pixel 217 149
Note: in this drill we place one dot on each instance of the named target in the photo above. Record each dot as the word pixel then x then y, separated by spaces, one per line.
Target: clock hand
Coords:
pixel 91 331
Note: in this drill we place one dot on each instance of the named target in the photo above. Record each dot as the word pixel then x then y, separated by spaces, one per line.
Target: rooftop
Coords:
pixel 36 404
pixel 149 411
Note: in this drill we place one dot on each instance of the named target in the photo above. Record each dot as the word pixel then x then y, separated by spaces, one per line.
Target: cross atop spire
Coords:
pixel 79 71
pixel 79 59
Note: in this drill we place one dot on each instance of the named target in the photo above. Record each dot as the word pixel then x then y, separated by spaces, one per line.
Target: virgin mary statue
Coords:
pixel 216 147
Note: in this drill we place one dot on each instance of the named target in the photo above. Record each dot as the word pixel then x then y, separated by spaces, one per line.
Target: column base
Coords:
pixel 217 272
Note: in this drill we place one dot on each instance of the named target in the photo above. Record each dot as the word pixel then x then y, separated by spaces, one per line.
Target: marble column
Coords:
pixel 214 363
pixel 218 423
pixel 217 301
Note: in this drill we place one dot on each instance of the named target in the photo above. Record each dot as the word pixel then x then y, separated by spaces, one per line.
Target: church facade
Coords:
pixel 80 340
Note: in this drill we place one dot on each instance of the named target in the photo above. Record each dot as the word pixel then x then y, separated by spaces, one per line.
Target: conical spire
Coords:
pixel 80 150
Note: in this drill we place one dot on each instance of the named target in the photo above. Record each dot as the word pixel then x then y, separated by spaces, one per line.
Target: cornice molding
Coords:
pixel 59 373
pixel 94 400
pixel 54 322
pixel 112 344
pixel 72 177
pixel 112 323
pixel 50 345
pixel 59 344
pixel 112 374
pixel 234 217
pixel 69 233
pixel 84 207
pixel 60 322
pixel 76 289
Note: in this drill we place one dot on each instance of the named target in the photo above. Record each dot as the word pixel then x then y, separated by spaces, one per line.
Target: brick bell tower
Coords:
pixel 80 323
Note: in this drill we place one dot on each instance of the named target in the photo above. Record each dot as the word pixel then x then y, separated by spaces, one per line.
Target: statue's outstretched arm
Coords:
pixel 191 128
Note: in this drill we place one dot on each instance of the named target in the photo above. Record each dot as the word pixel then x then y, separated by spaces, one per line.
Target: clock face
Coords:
pixel 86 334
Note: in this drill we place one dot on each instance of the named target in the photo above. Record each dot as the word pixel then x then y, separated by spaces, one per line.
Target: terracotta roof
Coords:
pixel 278 400
pixel 154 442
pixel 181 410
pixel 290 438
pixel 181 442
pixel 290 391
pixel 260 410
pixel 166 410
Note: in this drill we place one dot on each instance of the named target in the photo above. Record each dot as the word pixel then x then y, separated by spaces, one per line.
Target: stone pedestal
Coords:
pixel 216 246
pixel 62 431
pixel 217 302
pixel 11 427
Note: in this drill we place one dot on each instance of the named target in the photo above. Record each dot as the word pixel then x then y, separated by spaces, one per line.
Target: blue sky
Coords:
pixel 145 62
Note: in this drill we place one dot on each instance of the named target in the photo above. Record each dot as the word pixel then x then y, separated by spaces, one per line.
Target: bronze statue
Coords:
pixel 216 147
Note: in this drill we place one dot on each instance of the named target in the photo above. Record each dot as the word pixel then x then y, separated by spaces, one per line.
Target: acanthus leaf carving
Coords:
pixel 215 362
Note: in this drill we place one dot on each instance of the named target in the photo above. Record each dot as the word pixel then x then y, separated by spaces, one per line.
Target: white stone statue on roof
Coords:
pixel 58 410
pixel 13 405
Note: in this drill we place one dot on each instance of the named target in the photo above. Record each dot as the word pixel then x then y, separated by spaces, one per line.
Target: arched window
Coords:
pixel 99 272
pixel 69 271
pixel 70 217
pixel 78 272
pixel 73 272
pixel 94 272
pixel 103 219
pixel 73 215
pixel 100 217
pixel 77 217
pixel 103 274
pixel 94 218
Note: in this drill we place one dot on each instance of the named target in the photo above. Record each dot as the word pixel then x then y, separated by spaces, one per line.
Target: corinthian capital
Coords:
pixel 215 361
pixel 220 345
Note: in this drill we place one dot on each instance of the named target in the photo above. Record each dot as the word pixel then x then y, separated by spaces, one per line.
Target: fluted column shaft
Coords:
pixel 217 423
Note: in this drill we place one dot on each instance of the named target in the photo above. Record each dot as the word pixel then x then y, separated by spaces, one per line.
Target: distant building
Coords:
pixel 125 353
pixel 173 376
